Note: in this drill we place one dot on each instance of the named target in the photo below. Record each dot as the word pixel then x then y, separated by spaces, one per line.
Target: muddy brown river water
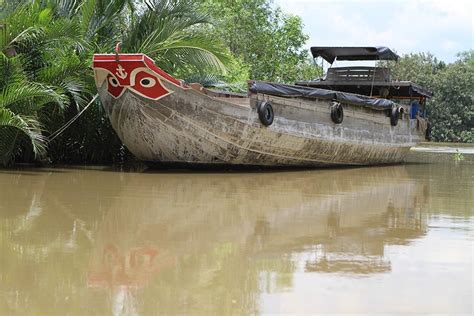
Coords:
pixel 379 240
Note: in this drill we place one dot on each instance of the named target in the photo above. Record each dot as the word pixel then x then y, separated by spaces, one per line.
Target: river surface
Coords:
pixel 380 240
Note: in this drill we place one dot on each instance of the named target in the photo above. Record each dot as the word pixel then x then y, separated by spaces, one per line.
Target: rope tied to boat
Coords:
pixel 72 120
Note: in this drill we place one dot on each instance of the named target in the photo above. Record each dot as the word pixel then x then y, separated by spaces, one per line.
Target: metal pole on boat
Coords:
pixel 373 78
pixel 118 47
pixel 316 65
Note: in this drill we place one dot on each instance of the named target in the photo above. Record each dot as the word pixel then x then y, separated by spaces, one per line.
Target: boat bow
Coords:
pixel 135 72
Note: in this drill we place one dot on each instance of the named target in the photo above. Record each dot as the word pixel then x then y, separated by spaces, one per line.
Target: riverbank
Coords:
pixel 434 152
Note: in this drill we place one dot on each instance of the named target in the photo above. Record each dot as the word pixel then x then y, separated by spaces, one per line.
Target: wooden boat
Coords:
pixel 163 120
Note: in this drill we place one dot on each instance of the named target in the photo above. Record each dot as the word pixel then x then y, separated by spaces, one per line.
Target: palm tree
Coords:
pixel 36 73
pixel 169 31
pixel 46 53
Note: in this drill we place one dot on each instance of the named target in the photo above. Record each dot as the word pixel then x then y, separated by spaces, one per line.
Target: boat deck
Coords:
pixel 235 100
pixel 240 99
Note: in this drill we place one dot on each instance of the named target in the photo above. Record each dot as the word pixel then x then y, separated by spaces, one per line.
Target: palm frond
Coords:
pixel 64 67
pixel 167 32
pixel 11 127
pixel 65 8
pixel 11 70
pixel 23 26
pixel 10 6
pixel 87 9
pixel 77 90
pixel 205 79
pixel 102 18
pixel 27 37
pixel 65 33
pixel 163 20
pixel 196 50
pixel 21 92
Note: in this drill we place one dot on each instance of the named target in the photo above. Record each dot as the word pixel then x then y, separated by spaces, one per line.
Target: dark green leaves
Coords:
pixel 269 42
pixel 451 110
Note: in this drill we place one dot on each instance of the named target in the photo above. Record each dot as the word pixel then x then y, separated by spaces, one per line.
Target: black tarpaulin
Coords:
pixel 353 53
pixel 283 90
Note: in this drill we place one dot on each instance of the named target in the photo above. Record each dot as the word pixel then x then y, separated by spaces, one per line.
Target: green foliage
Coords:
pixel 421 68
pixel 30 38
pixel 452 106
pixel 458 156
pixel 265 39
pixel 169 32
pixel 12 128
pixel 45 68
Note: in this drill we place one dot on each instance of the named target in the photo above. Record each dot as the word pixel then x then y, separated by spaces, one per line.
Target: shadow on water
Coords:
pixel 138 167
pixel 215 169
pixel 211 243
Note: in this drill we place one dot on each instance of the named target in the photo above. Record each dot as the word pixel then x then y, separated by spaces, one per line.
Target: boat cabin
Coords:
pixel 370 81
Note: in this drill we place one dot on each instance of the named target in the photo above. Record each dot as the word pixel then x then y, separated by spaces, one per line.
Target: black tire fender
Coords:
pixel 265 113
pixel 394 116
pixel 337 113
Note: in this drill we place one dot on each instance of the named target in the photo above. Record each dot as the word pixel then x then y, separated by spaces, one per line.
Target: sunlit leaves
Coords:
pixel 451 110
pixel 269 42
pixel 168 31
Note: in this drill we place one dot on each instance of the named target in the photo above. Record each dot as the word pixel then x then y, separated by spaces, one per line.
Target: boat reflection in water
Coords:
pixel 212 243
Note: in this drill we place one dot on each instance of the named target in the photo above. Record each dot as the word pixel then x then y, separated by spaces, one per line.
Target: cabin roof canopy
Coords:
pixel 330 53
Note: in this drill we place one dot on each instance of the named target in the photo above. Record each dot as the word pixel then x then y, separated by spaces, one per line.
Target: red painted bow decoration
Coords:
pixel 135 72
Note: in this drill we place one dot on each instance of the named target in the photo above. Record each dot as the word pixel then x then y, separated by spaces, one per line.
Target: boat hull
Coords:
pixel 189 128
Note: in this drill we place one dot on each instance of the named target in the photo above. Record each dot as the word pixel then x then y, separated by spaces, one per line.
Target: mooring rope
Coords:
pixel 65 126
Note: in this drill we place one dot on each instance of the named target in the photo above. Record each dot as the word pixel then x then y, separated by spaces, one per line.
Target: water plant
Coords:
pixel 458 156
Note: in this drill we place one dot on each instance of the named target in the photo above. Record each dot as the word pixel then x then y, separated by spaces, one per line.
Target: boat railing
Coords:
pixel 375 74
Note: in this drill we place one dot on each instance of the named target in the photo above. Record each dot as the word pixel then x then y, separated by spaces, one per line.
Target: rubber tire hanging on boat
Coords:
pixel 394 116
pixel 337 113
pixel 265 113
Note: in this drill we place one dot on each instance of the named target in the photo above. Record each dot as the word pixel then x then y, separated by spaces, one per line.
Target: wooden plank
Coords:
pixel 358 74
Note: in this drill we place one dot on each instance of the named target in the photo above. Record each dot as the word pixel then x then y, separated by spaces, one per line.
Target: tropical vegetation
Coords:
pixel 46 51
pixel 48 109
pixel 451 110
pixel 268 43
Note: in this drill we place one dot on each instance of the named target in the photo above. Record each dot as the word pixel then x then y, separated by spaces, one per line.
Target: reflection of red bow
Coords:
pixel 134 267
